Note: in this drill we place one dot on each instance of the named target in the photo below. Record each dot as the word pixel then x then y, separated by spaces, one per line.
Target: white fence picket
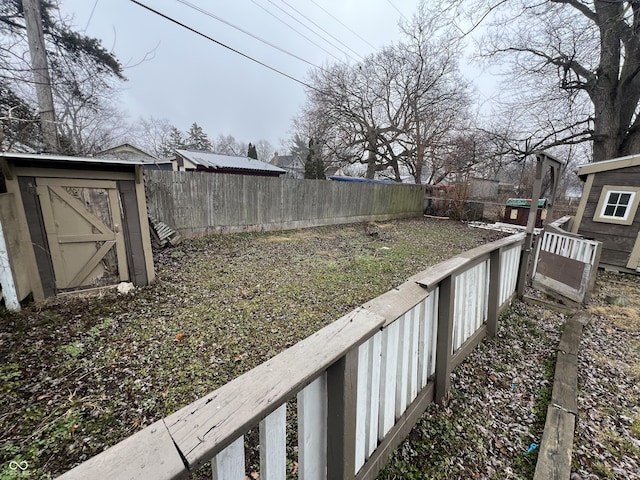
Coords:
pixel 229 463
pixel 415 316
pixel 509 261
pixel 362 400
pixel 471 302
pixel 273 445
pixel 403 364
pixel 312 430
pixel 373 408
pixel 388 375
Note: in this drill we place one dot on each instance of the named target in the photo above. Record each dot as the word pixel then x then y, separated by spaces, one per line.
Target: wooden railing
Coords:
pixel 360 383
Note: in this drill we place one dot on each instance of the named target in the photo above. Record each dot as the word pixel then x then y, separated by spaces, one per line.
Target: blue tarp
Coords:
pixel 361 180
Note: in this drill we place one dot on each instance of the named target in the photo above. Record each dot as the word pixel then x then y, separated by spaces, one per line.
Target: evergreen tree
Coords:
pixel 83 75
pixel 252 152
pixel 197 139
pixel 174 142
pixel 313 166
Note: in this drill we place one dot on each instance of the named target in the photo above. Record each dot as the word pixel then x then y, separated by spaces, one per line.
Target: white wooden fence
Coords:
pixel 566 264
pixel 361 383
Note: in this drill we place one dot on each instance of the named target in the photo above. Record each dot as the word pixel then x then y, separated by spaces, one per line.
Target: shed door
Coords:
pixel 83 220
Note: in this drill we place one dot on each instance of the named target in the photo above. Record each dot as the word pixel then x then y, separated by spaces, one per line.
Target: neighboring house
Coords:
pixel 483 188
pixel 608 210
pixel 216 163
pixel 290 163
pixel 128 152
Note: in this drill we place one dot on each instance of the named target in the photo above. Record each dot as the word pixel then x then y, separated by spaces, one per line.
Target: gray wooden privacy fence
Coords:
pixel 361 383
pixel 200 203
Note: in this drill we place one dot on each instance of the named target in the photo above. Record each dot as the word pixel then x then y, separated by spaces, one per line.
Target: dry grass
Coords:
pixel 79 374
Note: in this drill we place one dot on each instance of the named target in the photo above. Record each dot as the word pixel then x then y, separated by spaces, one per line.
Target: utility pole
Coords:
pixel 40 69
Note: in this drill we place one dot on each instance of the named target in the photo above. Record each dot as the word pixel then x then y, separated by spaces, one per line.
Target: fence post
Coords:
pixel 7 283
pixel 342 384
pixel 494 293
pixel 445 337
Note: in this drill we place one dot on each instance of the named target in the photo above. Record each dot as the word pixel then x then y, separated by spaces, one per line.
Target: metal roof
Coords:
pixel 67 159
pixel 525 202
pixel 216 160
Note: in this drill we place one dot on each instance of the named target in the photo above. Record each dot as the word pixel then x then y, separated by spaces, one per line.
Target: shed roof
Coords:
pixel 125 148
pixel 606 165
pixel 219 161
pixel 68 159
pixel 525 202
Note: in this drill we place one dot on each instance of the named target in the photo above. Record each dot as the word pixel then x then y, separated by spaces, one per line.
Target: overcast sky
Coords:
pixel 191 79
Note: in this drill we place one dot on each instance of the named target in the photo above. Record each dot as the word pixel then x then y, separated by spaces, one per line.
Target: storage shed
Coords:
pixel 608 210
pixel 73 223
pixel 516 211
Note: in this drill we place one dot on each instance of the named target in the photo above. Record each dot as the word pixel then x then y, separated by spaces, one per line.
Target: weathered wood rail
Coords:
pixel 361 383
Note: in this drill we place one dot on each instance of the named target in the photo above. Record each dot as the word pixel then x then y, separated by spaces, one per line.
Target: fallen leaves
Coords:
pixel 220 305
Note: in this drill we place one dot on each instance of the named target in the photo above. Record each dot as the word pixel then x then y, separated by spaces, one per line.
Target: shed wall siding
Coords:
pixel 617 240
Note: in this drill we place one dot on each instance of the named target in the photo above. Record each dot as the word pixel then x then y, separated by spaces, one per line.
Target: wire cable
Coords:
pixel 318 26
pixel 311 30
pixel 266 42
pixel 397 10
pixel 193 30
pixel 338 20
pixel 295 30
pixel 95 4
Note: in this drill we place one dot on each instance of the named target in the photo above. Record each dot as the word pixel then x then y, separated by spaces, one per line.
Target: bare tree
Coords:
pixel 265 150
pixel 151 134
pixel 395 109
pixel 574 65
pixel 228 145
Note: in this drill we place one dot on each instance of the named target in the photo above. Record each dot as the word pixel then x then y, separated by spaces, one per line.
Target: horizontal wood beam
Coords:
pixel 434 275
pixel 208 425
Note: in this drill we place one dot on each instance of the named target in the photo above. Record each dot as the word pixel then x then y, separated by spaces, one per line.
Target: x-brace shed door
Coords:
pixel 83 224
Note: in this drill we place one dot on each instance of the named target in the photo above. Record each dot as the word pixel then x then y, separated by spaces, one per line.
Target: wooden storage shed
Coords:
pixel 73 223
pixel 608 210
pixel 516 211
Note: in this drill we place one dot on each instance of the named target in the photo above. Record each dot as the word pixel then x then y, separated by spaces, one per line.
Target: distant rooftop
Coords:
pixel 217 160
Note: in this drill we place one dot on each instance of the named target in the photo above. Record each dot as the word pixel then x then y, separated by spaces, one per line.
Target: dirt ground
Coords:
pixel 492 423
pixel 79 375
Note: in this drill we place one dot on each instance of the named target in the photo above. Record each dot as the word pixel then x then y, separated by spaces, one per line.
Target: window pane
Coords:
pixel 620 211
pixel 625 198
pixel 613 198
pixel 609 210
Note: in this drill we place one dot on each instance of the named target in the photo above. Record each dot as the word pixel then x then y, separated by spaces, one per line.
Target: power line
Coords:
pixel 209 14
pixel 397 10
pixel 193 30
pixel 310 29
pixel 338 20
pixel 295 30
pixel 95 4
pixel 318 26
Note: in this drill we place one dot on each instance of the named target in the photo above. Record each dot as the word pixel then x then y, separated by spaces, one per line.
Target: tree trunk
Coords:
pixel 372 159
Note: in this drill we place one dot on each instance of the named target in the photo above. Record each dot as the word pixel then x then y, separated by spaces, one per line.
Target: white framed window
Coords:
pixel 617 205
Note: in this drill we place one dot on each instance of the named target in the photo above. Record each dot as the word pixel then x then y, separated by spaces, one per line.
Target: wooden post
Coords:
pixel 341 419
pixel 40 69
pixel 494 293
pixel 445 337
pixel 542 160
pixel 7 283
